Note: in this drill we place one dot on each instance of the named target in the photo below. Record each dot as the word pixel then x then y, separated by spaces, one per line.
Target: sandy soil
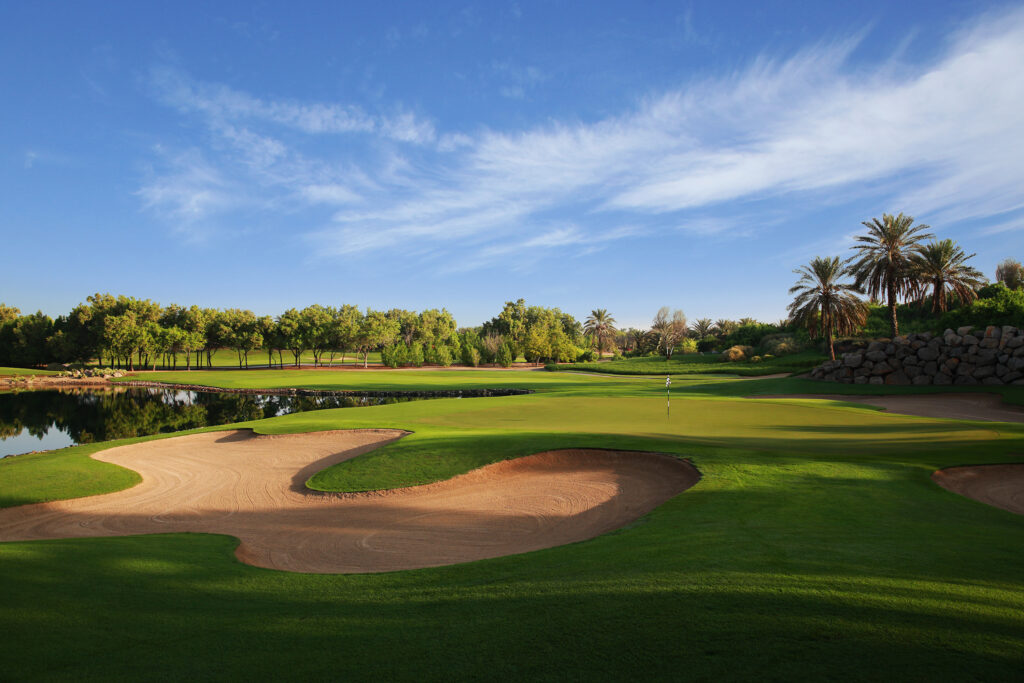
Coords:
pixel 998 485
pixel 985 407
pixel 252 487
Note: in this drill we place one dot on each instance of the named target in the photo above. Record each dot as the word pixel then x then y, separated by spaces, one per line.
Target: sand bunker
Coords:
pixel 998 485
pixel 252 487
pixel 985 407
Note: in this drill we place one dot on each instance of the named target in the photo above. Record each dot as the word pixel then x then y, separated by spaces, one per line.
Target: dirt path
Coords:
pixel 985 407
pixel 252 487
pixel 998 485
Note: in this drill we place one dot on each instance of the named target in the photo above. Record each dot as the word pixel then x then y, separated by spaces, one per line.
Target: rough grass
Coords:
pixel 814 547
pixel 691 364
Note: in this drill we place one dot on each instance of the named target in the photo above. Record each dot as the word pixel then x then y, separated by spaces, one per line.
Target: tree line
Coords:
pixel 136 333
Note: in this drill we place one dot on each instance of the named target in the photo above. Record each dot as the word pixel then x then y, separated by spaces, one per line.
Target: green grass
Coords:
pixel 17 372
pixel 699 364
pixel 814 547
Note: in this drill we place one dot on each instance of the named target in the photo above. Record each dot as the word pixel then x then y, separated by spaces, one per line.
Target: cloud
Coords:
pixel 780 137
pixel 189 193
pixel 224 104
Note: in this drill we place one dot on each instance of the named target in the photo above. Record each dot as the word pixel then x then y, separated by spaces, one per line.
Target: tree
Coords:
pixel 1010 273
pixel 600 327
pixel 940 267
pixel 344 328
pixel 884 259
pixel 671 329
pixel 317 324
pixel 375 330
pixel 538 345
pixel 724 327
pixel 291 329
pixel 823 303
pixel 702 327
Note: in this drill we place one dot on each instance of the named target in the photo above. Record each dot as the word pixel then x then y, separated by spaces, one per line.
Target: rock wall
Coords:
pixel 994 355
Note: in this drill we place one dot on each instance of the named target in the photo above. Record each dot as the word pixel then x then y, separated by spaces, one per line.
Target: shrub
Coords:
pixel 736 353
pixel 470 356
pixel 504 356
pixel 443 356
pixel 780 344
pixel 1002 306
pixel 688 346
pixel 755 359
pixel 393 356
pixel 414 356
pixel 708 343
pixel 586 356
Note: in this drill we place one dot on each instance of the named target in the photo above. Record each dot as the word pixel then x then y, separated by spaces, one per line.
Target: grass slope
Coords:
pixel 814 547
pixel 698 364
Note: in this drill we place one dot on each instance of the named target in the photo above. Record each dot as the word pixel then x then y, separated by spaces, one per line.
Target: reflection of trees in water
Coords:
pixel 98 415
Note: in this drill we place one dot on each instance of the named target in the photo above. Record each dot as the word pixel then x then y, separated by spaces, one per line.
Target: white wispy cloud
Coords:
pixel 224 104
pixel 937 139
pixel 190 191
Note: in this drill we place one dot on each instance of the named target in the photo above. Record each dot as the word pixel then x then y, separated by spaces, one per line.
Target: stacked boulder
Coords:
pixel 994 355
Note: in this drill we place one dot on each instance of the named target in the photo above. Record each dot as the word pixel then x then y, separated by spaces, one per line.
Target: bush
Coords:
pixel 504 356
pixel 780 344
pixel 470 356
pixel 586 356
pixel 415 355
pixel 688 346
pixel 708 343
pixel 737 353
pixel 1003 306
pixel 393 356
pixel 443 356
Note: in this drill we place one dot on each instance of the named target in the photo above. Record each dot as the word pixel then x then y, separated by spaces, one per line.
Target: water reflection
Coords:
pixel 42 420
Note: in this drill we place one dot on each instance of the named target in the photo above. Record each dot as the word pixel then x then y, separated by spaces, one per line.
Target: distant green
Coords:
pixel 699 364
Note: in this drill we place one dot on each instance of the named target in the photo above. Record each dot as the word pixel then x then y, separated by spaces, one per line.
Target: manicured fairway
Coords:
pixel 816 545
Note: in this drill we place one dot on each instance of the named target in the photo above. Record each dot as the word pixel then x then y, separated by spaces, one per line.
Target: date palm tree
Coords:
pixel 639 338
pixel 883 262
pixel 823 303
pixel 940 268
pixel 702 327
pixel 724 327
pixel 600 327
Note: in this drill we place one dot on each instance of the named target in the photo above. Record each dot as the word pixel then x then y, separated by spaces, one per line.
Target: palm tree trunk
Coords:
pixel 936 294
pixel 828 337
pixel 892 309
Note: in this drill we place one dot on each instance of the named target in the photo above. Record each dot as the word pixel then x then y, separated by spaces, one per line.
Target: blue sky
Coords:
pixel 616 155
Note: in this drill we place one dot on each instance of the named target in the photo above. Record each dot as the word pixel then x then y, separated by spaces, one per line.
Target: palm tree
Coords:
pixel 702 327
pixel 824 304
pixel 883 259
pixel 1010 273
pixel 639 337
pixel 600 326
pixel 939 267
pixel 724 327
pixel 747 321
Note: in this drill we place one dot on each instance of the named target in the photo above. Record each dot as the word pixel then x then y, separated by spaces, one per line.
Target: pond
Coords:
pixel 48 419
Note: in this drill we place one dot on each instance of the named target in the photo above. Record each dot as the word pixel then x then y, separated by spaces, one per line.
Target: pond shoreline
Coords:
pixel 99 382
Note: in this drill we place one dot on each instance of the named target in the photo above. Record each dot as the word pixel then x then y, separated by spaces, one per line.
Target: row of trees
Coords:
pixel 892 261
pixel 140 333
